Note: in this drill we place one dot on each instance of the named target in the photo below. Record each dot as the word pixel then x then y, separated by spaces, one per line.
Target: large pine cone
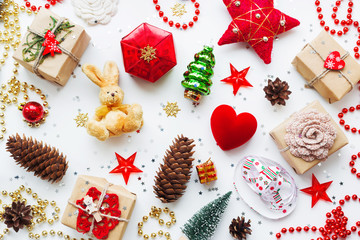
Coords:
pixel 277 92
pixel 174 173
pixel 239 228
pixel 46 162
pixel 17 216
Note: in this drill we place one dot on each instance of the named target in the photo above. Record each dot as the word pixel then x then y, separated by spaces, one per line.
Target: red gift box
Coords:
pixel 148 52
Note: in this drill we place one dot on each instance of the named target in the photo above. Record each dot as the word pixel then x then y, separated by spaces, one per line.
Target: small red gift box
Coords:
pixel 206 172
pixel 148 52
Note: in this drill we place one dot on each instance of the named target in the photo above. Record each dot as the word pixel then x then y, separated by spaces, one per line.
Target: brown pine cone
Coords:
pixel 277 92
pixel 174 173
pixel 239 228
pixel 46 162
pixel 17 216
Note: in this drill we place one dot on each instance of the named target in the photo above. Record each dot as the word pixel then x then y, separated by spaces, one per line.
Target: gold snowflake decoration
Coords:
pixel 81 119
pixel 148 53
pixel 178 10
pixel 171 109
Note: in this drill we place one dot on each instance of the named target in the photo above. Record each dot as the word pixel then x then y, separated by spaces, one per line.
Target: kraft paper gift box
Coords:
pixel 332 85
pixel 298 164
pixel 83 184
pixel 57 68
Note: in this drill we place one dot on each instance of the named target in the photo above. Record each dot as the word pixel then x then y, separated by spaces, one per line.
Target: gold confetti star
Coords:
pixel 81 119
pixel 178 10
pixel 171 109
pixel 148 53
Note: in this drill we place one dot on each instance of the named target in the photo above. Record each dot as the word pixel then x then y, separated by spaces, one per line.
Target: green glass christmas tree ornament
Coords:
pixel 202 225
pixel 197 80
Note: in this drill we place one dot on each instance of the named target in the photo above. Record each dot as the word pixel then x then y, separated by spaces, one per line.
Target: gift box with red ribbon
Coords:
pixel 148 52
pixel 206 172
pixel 98 208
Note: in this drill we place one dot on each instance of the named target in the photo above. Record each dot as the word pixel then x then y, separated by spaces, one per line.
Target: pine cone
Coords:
pixel 175 172
pixel 17 216
pixel 239 228
pixel 43 160
pixel 277 92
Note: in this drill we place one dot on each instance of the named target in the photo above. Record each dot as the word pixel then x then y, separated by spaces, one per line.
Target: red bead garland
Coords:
pixel 342 121
pixel 344 23
pixel 178 25
pixel 352 163
pixel 335 226
pixel 47 5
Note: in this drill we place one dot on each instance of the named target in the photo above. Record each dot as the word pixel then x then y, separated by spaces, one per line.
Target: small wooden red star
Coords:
pixel 237 79
pixel 317 191
pixel 126 166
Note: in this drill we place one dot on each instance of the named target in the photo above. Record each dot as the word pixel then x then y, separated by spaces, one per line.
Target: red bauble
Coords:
pixel 33 112
pixel 231 130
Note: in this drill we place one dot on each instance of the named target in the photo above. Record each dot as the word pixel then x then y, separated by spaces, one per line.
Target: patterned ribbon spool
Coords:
pixel 36 65
pixel 326 71
pixel 269 180
pixel 95 210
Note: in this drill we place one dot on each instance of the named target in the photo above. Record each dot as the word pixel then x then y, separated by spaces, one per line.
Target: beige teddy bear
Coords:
pixel 112 118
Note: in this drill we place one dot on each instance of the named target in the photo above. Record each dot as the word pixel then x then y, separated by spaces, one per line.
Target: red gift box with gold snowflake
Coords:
pixel 98 208
pixel 206 172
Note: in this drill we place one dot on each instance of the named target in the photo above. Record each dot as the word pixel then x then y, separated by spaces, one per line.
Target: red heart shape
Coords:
pixel 334 61
pixel 231 130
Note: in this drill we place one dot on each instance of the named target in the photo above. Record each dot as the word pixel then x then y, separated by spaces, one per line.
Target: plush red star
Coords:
pixel 126 166
pixel 256 22
pixel 237 79
pixel 50 44
pixel 317 191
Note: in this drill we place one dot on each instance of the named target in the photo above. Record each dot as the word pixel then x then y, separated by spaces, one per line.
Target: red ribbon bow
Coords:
pixel 50 44
pixel 102 228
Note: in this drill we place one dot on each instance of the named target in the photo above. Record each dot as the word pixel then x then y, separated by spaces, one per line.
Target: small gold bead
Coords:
pixel 11 194
pixel 57 209
pixel 50 221
pixel 168 224
pixel 166 210
pixel 29 228
pixel 160 233
pixel 153 208
pixel 140 232
pixel 46 202
pixel 52 232
pixel 151 214
pixel 31 235
pixel 145 218
pixel 60 233
pixel 4 193
pixel 159 210
pixel 28 191
pixel 3 107
pixel 15 71
pixel 45 104
pixel 38 91
pixel 153 235
pixel 66 237
pixel 56 217
pixel 37 236
pixel 34 195
pixel 140 224
pixel 26 97
pixel 146 236
pixel 32 87
pixel 17 192
pixel 167 234
pixel 157 216
pixel 44 233
pixel 161 222
pixel 6 230
pixel 53 203
pixel 173 220
pixel 39 220
pixel 172 214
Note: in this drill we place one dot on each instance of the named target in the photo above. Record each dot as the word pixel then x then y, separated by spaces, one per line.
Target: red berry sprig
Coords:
pixel 47 5
pixel 345 23
pixel 178 25
pixel 335 227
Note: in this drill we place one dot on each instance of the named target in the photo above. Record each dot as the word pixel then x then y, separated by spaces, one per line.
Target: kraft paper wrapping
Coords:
pixel 332 86
pixel 83 183
pixel 298 164
pixel 56 69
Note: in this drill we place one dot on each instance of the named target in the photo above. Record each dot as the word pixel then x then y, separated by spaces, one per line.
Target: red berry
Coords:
pixel 195 18
pixel 161 13
pixel 165 19
pixel 342 122
pixel 346 29
pixel 353 130
pixel 306 228
pixel 197 11
pixel 171 23
pixel 317 2
pixel 184 26
pixel 33 8
pixel 339 33
pixel 47 6
pixel 298 229
pixel 356 55
pixel 351 109
pixel 318 9
pixel 27 4
pixel 341 202
pixel 157 7
pixel 343 22
pixel 278 235
pixel 347 197
pixel 191 24
pixel 326 28
pixel 358 175
pixel 53 2
pixel 353 228
pixel 333 15
pixel 332 31
pixel 336 21
pixel 354 197
pixel 348 16
pixel 155 1
pixel 322 22
pixel 338 3
pixel 356 23
pixel 320 16
pixel 283 230
pixel 197 5
pixel 357 107
pixel 347 127
pixel 340 115
pixel 291 229
pixel 344 110
pixel 351 4
pixel 177 25
pixel 313 228
pixel 356 49
pixel 349 10
pixel 335 9
pixel 351 163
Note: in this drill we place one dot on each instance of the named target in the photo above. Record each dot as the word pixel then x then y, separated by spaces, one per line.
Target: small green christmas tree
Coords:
pixel 197 79
pixel 204 223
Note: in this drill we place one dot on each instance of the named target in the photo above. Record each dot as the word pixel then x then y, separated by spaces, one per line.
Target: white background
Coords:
pixel 86 155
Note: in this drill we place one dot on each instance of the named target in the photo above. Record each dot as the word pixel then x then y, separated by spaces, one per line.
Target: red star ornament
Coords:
pixel 237 79
pixel 256 22
pixel 126 166
pixel 50 44
pixel 317 191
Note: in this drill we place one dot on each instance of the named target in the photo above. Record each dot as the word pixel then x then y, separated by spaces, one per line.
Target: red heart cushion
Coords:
pixel 231 131
pixel 334 61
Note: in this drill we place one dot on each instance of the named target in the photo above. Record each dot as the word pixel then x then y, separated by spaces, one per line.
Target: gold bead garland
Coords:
pixel 9 95
pixel 38 211
pixel 155 213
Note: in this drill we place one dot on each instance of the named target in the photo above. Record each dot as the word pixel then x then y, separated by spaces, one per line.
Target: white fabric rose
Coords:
pixel 95 11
